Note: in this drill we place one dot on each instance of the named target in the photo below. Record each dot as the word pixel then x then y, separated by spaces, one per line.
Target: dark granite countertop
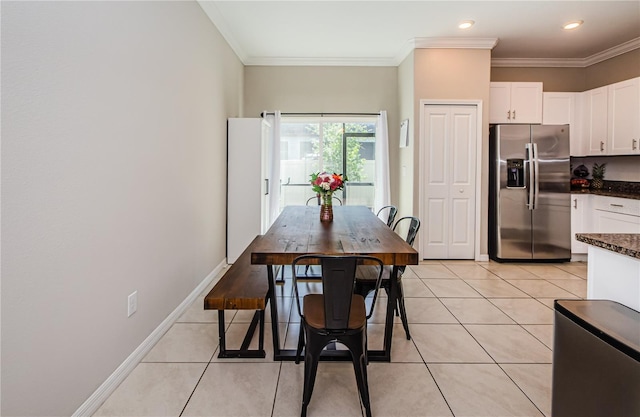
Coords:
pixel 623 243
pixel 621 189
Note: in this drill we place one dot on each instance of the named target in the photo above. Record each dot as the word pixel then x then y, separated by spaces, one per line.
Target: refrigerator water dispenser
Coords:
pixel 515 173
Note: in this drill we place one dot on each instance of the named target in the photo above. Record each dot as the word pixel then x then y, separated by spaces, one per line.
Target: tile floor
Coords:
pixel 482 339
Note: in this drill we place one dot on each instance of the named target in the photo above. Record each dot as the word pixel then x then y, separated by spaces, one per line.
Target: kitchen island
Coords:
pixel 613 267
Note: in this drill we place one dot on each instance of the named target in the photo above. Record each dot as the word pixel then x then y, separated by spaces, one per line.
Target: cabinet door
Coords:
pixel 500 103
pixel 245 184
pixel 624 117
pixel 579 222
pixel 559 109
pixel 266 161
pixel 526 102
pixel 448 208
pixel 597 103
pixel 608 222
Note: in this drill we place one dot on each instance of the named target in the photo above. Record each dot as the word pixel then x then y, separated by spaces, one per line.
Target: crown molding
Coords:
pixel 321 62
pixel 220 23
pixel 454 43
pixel 444 43
pixel 568 62
pixel 623 48
pixel 416 43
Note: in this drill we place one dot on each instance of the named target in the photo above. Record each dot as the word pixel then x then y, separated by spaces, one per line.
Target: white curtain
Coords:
pixel 383 183
pixel 274 174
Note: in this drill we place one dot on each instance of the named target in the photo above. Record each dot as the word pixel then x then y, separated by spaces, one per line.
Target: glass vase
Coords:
pixel 326 209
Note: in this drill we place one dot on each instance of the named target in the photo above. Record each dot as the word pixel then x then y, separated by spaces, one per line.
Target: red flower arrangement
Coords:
pixel 326 184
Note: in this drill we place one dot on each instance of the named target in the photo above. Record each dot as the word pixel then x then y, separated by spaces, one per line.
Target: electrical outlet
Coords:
pixel 132 303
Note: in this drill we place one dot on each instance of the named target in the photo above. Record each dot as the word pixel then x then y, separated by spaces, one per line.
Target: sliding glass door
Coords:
pixel 343 146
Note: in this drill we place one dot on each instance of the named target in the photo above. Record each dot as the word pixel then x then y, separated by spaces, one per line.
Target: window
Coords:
pixel 345 146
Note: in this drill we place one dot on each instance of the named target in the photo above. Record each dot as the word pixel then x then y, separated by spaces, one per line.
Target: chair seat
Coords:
pixel 369 273
pixel 313 311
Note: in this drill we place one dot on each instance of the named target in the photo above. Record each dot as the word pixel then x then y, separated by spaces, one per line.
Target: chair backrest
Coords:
pixel 312 199
pixel 414 226
pixel 393 210
pixel 319 200
pixel 338 282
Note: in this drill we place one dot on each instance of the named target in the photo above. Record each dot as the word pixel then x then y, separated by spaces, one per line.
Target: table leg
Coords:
pixel 274 313
pixel 391 305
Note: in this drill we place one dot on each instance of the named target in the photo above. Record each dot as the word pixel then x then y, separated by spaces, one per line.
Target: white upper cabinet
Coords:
pixel 612 119
pixel 515 103
pixel 624 117
pixel 596 104
pixel 562 109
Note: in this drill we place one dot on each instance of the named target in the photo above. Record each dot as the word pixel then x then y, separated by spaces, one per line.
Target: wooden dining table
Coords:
pixel 355 230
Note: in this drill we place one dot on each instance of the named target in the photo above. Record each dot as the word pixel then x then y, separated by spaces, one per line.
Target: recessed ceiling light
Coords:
pixel 572 25
pixel 466 24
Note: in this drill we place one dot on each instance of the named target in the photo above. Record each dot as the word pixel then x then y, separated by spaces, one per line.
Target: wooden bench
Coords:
pixel 243 287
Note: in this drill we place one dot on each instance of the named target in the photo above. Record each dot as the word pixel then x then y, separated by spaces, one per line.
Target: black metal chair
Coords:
pixel 319 199
pixel 336 315
pixel 393 210
pixel 366 277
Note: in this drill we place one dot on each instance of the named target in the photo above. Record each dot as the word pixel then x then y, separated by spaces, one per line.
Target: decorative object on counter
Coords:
pixel 579 183
pixel 326 184
pixel 581 171
pixel 598 175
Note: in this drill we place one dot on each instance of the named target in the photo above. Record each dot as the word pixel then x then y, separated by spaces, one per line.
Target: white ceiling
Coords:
pixel 370 32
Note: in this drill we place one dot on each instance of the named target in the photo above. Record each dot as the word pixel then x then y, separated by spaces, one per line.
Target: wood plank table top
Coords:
pixel 355 230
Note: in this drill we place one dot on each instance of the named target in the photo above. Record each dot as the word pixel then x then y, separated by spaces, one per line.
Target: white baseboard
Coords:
pixel 483 258
pixel 578 257
pixel 91 405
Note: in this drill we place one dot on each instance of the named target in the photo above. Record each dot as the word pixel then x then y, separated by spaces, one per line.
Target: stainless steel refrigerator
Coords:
pixel 529 193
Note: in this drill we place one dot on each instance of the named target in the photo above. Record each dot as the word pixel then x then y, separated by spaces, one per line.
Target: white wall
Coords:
pixel 113 166
pixel 619 168
pixel 405 164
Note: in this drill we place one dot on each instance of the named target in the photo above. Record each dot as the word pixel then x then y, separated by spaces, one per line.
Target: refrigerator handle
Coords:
pixel 529 167
pixel 536 176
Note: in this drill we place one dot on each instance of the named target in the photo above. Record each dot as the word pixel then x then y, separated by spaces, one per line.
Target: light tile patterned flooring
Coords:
pixel 482 339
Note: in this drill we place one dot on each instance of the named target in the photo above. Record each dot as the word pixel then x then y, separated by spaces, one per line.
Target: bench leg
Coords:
pixel 261 334
pixel 244 351
pixel 251 330
pixel 221 335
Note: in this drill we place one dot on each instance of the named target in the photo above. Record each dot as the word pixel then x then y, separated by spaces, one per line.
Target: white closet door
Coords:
pixel 448 206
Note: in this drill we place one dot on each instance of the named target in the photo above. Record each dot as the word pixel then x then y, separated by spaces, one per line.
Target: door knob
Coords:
pixel 461 191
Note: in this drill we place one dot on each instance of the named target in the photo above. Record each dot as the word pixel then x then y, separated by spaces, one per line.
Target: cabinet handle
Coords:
pixel 266 186
pixel 616 205
pixel 601 146
pixel 509 115
pixel 575 203
pixel 514 115
pixel 634 144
